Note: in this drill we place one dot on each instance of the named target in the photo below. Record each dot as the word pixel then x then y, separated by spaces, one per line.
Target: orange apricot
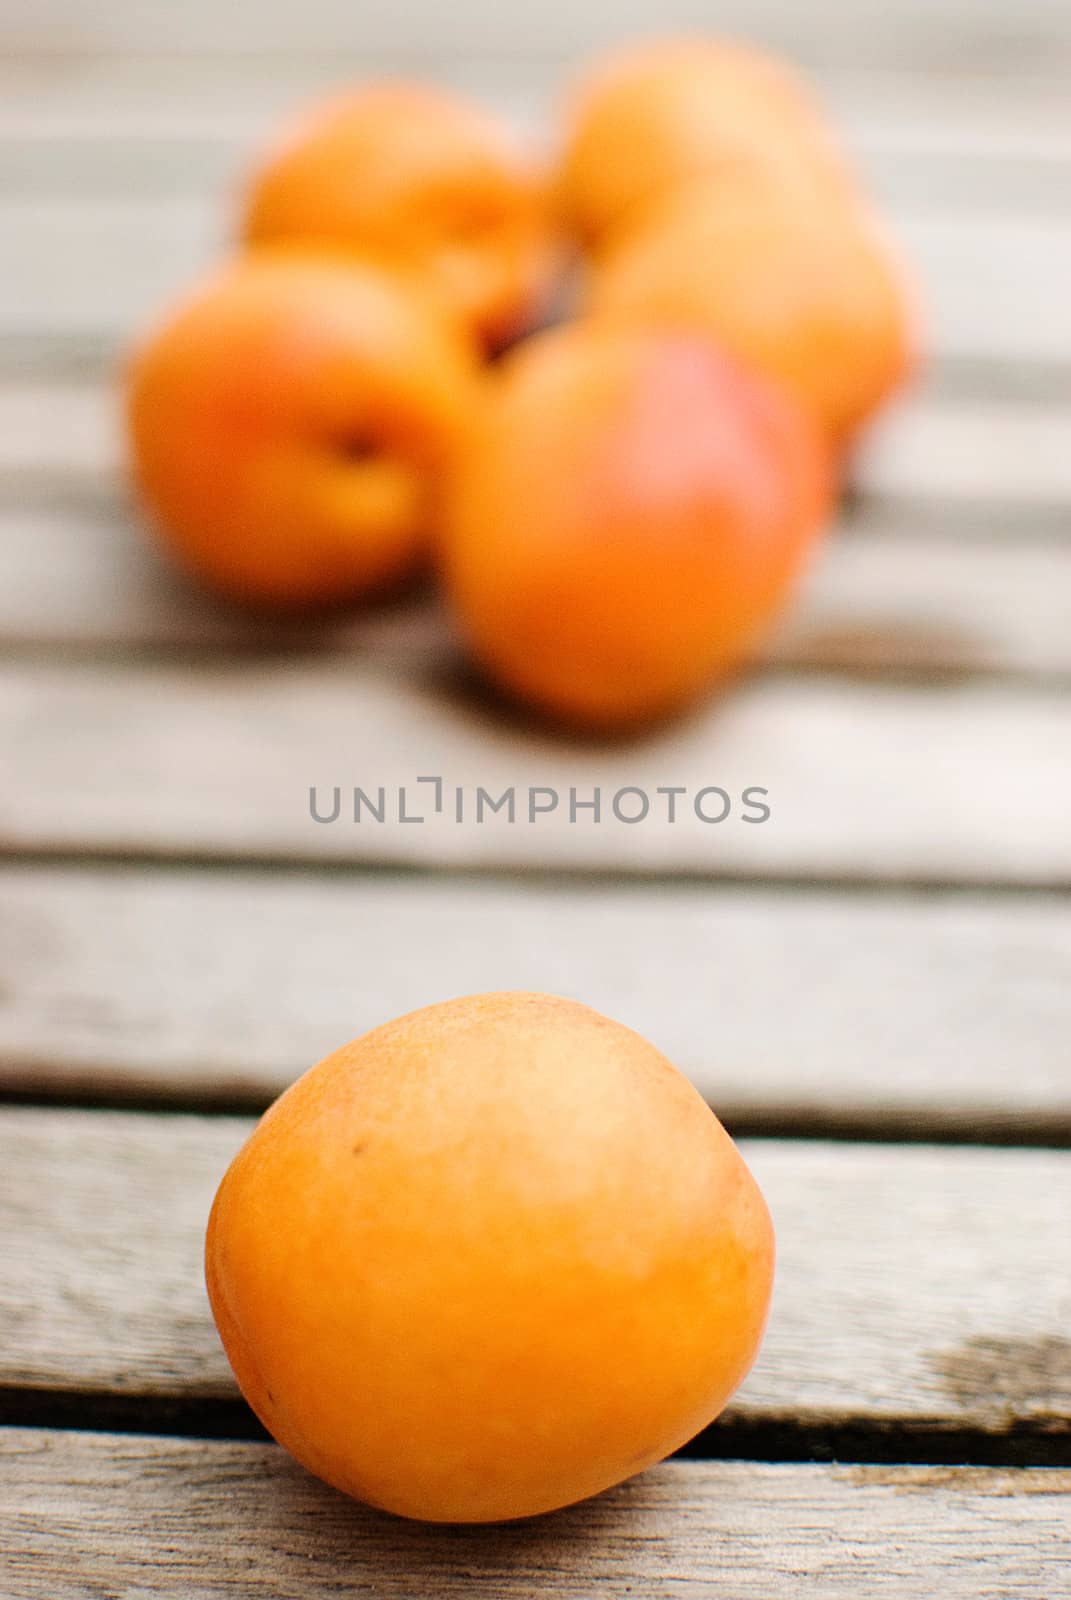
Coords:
pixel 805 289
pixel 660 113
pixel 628 510
pixel 487 1260
pixel 423 180
pixel 289 424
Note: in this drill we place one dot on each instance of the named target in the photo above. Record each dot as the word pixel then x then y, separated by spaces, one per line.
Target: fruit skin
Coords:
pixel 288 427
pixel 660 113
pixel 629 509
pixel 489 1259
pixel 804 288
pixel 424 181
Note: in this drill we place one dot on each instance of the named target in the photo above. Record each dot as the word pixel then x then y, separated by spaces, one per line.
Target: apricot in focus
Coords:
pixel 487 1260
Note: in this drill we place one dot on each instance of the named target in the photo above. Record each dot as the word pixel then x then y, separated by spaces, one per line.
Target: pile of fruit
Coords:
pixel 617 505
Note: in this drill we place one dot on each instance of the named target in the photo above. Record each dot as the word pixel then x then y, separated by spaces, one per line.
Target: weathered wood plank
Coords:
pixel 109 1514
pixel 85 574
pixel 992 285
pixel 133 258
pixel 893 604
pixel 923 1012
pixel 915 1283
pixel 987 286
pixel 934 466
pixel 914 34
pixel 1011 459
pixel 61 433
pixel 863 780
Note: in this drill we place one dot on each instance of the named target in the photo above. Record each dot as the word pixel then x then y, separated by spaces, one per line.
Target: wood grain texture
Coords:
pixel 992 285
pixel 870 781
pixel 927 1012
pixel 914 1283
pixel 97 1514
pixel 926 1286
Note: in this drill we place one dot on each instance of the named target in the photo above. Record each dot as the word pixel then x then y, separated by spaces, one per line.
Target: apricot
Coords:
pixel 627 511
pixel 487 1260
pixel 806 290
pixel 422 180
pixel 289 424
pixel 652 116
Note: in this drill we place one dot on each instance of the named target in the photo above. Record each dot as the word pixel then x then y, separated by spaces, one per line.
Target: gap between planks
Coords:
pixel 873 604
pixel 890 1443
pixel 897 1014
pixel 925 1286
pixel 868 781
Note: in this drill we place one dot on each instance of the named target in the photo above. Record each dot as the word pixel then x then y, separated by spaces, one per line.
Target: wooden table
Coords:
pixel 872 988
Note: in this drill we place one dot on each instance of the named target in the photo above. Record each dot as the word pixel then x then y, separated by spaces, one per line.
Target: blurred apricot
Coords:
pixel 806 289
pixel 659 113
pixel 424 181
pixel 629 509
pixel 289 423
pixel 488 1259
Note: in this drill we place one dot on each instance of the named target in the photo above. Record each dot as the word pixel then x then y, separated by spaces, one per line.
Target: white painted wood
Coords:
pixel 914 1283
pixel 158 1517
pixel 925 1012
pixel 879 781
